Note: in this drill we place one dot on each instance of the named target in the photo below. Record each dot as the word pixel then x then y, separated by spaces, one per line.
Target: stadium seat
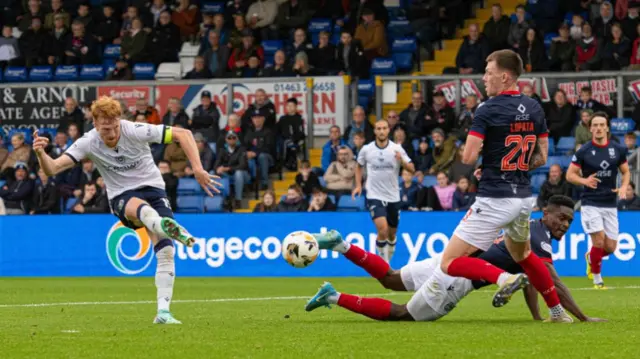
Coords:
pixel 186 63
pixel 620 126
pixel 66 73
pixel 111 52
pixel 416 144
pixel 348 204
pixel 41 73
pixel 225 189
pixel 563 161
pixel 271 46
pixel 190 204
pixel 566 144
pixel 429 181
pixel 318 25
pixel 15 74
pixel 383 66
pixel 323 183
pixel 2 183
pixel 398 28
pixel 15 32
pixel 548 38
pixel 552 146
pixel 396 13
pixel 335 39
pixel 407 44
pixel 366 89
pixel 144 71
pixel 213 147
pixel 169 71
pixel 92 73
pixel 189 50
pixel 188 186
pixel 213 204
pixel 212 7
pixel 404 62
pixel 536 182
pixel 69 206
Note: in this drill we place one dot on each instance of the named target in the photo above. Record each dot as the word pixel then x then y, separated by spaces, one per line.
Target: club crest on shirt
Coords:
pixel 120 159
pixel 612 153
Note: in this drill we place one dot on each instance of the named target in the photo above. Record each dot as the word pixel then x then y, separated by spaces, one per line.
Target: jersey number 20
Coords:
pixel 523 145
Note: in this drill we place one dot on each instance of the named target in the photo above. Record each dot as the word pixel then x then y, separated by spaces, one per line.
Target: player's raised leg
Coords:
pixel 139 211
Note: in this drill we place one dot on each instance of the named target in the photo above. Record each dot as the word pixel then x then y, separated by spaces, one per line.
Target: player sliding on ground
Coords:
pixel 120 149
pixel 600 161
pixel 428 305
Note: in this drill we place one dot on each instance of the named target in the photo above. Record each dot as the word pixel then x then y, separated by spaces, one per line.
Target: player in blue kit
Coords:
pixel 600 160
pixel 424 305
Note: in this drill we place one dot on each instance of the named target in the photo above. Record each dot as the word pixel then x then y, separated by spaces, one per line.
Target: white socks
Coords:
pixel 502 278
pixel 165 276
pixel 342 247
pixel 151 219
pixel 333 299
pixel 390 249
pixel 556 311
pixel 381 247
pixel 597 278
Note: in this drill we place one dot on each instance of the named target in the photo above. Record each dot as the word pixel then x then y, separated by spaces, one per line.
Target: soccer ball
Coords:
pixel 300 249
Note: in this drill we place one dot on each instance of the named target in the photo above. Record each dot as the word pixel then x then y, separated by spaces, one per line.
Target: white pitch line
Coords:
pixel 249 299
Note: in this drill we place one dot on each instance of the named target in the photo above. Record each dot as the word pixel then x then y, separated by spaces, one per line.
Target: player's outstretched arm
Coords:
pixel 531 297
pixel 540 153
pixel 188 144
pixel 566 299
pixel 50 166
pixel 472 150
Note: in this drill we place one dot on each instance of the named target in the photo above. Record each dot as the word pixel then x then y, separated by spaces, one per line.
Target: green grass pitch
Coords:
pixel 265 318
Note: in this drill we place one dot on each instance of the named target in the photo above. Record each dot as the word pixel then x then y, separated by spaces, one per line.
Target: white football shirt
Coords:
pixel 383 170
pixel 129 165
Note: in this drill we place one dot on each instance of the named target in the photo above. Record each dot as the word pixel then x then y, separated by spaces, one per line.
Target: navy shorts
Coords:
pixel 155 197
pixel 390 210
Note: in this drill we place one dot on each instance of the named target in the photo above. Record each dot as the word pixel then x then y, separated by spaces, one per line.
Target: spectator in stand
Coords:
pixel 9 48
pixel 355 10
pixel 424 156
pixel 635 52
pixel 341 174
pixel 60 143
pixel 462 198
pixel 127 19
pixel 554 185
pixel 292 14
pixel 532 52
pixel 633 152
pixel 617 50
pixel 87 124
pixel 409 192
pixel 217 56
pixel 294 201
pixel 185 16
pixel 34 44
pixel 88 174
pixel 440 115
pixel 360 123
pixel 518 29
pixel 91 201
pixel 631 21
pixel 84 16
pixel 443 151
pixel 496 29
pixel 232 162
pixel 73 132
pixel 562 52
pixel 268 203
pixel 320 202
pixel 150 112
pixel 302 68
pixel 472 53
pixel 460 169
pixel 174 154
pixel 33 11
pixel 45 198
pixel 350 55
pixel 279 68
pixel 587 56
pixel 290 131
pixel 240 56
pixel 207 156
pixel 170 181
pixel 330 149
pixel 56 10
pixel 20 154
pixel 371 35
pixel 16 195
pixel 414 116
pixel 631 201
pixel 358 143
pixel 263 106
pixel 165 40
pixel 4 153
pixel 602 24
pixel 200 71
pixel 300 44
pixel 233 124
pixel 134 43
pixel 394 121
pixel 461 128
pixel 206 118
pixel 217 25
pixel 235 36
pixel 306 178
pixel 140 118
pixel 583 133
pixel 252 70
pixel 400 137
pixel 444 190
pixel 260 16
pixel 175 114
pixel 71 114
pixel 560 115
pixel 576 27
pixel 528 90
pixel 122 71
pixel 81 48
pixel 261 145
pixel 586 102
pixel 156 9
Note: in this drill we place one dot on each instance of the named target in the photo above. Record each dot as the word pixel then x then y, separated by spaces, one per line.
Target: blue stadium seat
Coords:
pixel 396 13
pixel 111 52
pixel 92 73
pixel 407 44
pixel 429 181
pixel 213 147
pixel 547 39
pixel 213 204
pixel 383 66
pixel 563 161
pixel 399 28
pixel 41 73
pixel 566 144
pixel 536 182
pixel 226 186
pixel 365 92
pixel 416 144
pixel 348 204
pixel 144 71
pixel 620 126
pixel 109 65
pixel 188 186
pixel 335 38
pixel 317 25
pixel 403 61
pixel 323 183
pixel 271 46
pixel 66 73
pixel 15 74
pixel 552 146
pixel 2 183
pixel 190 204
pixel 69 206
pixel 212 7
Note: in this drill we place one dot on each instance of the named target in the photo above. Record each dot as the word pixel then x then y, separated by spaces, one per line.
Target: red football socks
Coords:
pixel 474 269
pixel 374 308
pixel 372 263
pixel 595 259
pixel 540 278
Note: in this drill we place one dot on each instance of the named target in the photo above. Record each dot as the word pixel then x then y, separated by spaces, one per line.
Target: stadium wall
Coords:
pixel 249 245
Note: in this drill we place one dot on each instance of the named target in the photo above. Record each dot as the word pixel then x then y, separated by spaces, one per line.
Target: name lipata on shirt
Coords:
pixel 129 165
pixel 382 169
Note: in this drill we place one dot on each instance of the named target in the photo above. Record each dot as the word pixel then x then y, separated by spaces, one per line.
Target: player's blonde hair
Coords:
pixel 107 107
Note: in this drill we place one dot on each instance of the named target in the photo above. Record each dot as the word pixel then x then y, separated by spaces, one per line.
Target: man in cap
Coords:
pixel 15 196
pixel 261 105
pixel 261 146
pixel 232 162
pixel 206 117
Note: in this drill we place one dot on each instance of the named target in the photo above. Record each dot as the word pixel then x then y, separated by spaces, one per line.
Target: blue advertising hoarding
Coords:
pixel 250 245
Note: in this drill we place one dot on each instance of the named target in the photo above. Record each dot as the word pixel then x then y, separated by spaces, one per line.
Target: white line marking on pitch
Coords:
pixel 70 331
pixel 249 299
